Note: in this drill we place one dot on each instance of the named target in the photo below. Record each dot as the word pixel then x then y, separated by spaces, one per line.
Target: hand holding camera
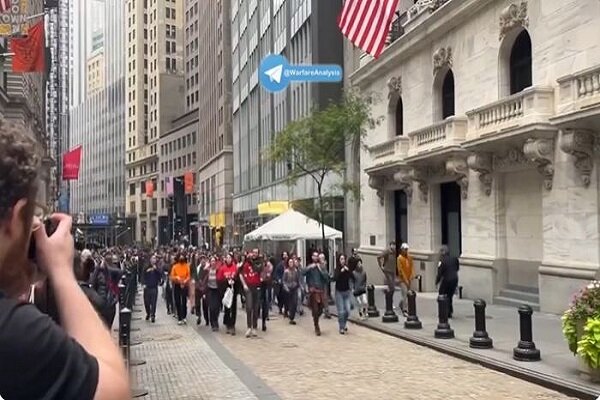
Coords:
pixel 55 248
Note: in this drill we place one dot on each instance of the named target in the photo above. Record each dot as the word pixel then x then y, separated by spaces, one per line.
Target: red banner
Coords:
pixel 71 163
pixel 149 188
pixel 188 182
pixel 29 51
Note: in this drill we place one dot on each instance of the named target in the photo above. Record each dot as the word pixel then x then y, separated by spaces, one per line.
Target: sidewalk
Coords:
pixel 557 369
pixel 182 364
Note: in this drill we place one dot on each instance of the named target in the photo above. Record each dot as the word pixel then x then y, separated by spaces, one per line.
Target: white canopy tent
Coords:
pixel 293 226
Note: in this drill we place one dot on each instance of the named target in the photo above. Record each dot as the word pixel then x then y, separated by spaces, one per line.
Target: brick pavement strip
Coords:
pixel 180 364
pixel 366 364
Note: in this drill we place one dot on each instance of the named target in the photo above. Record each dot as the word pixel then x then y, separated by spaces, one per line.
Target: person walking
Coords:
pixel 325 267
pixel 250 278
pixel 291 285
pixel 180 277
pixel 447 276
pixel 360 290
pixel 214 296
pixel 278 282
pixel 152 279
pixel 266 286
pixel 227 277
pixel 406 273
pixel 342 277
pixel 168 263
pixel 317 279
pixel 387 262
pixel 200 291
pixel 104 281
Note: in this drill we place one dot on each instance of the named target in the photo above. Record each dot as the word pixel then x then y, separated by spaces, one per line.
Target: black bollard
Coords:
pixel 389 315
pixel 412 320
pixel 420 279
pixel 372 310
pixel 480 338
pixel 122 289
pixel 125 344
pixel 443 330
pixel 525 350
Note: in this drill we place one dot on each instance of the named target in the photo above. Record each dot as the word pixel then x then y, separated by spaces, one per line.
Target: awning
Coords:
pixel 273 207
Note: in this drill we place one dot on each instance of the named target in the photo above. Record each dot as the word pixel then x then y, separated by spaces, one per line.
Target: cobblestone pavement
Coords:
pixel 180 364
pixel 366 365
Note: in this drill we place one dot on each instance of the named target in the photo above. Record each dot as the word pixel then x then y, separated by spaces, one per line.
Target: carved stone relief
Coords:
pixel 421 5
pixel 404 179
pixel 513 16
pixel 541 152
pixel 512 157
pixel 482 163
pixel 457 167
pixel 377 183
pixel 394 85
pixel 580 144
pixel 442 58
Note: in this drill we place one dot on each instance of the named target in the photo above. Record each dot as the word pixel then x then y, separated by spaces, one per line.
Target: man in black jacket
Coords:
pixel 447 276
pixel 41 360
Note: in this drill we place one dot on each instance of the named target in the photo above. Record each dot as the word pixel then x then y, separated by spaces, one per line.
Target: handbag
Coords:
pixel 228 298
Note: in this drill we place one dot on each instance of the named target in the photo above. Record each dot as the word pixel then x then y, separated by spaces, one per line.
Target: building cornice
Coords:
pixel 451 15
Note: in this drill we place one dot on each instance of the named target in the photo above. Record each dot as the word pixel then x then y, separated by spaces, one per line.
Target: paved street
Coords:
pixel 366 364
pixel 181 364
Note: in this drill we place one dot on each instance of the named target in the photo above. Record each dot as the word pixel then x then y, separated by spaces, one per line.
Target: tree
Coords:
pixel 315 145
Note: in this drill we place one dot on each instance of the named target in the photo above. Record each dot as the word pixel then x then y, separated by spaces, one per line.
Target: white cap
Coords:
pixel 404 246
pixel 85 254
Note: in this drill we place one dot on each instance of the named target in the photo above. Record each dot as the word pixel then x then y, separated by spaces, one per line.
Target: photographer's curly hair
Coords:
pixel 19 166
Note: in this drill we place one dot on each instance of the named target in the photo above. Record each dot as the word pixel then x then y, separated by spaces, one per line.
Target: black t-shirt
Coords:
pixel 38 360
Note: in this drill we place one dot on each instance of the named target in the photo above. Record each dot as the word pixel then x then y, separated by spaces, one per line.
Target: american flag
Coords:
pixel 4 5
pixel 366 23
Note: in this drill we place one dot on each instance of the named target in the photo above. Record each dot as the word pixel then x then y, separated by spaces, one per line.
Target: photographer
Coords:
pixel 41 360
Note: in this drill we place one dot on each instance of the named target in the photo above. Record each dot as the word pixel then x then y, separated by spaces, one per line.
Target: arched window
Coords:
pixel 399 118
pixel 448 95
pixel 520 63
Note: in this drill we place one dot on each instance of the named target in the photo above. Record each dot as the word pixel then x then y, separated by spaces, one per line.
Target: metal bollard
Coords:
pixel 372 308
pixel 526 350
pixel 443 330
pixel 460 292
pixel 389 315
pixel 412 320
pixel 480 338
pixel 122 289
pixel 420 279
pixel 124 343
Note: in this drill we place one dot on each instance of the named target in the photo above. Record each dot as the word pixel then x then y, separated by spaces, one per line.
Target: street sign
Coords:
pixel 100 219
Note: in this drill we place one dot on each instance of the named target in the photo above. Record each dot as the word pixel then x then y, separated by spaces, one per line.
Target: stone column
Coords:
pixel 571 224
pixel 480 275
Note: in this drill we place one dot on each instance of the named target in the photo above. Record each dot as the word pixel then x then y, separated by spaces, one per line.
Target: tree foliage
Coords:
pixel 315 145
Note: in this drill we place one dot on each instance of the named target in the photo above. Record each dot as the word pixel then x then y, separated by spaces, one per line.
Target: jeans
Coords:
pixel 316 301
pixel 169 299
pixel 180 294
pixel 201 305
pixel 252 307
pixel 230 314
pixel 292 303
pixel 265 301
pixel 150 297
pixel 214 306
pixel 342 303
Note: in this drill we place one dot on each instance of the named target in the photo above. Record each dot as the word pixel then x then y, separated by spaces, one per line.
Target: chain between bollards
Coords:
pixel 372 310
pixel 480 338
pixel 443 330
pixel 412 320
pixel 526 350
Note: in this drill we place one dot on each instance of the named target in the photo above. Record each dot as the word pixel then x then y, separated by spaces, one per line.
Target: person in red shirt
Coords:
pixel 227 277
pixel 250 278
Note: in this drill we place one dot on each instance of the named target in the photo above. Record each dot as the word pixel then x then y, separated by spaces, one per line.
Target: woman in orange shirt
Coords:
pixel 180 277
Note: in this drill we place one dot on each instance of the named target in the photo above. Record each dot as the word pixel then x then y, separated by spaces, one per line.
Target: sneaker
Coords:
pixel 292 322
pixel 153 319
pixel 185 321
pixel 232 331
pixel 342 332
pixel 317 331
pixel 345 329
pixel 264 328
pixel 179 322
pixel 249 333
pixel 147 317
pixel 198 321
pixel 254 334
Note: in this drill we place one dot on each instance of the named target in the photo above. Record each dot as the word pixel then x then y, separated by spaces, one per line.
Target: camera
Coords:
pixel 50 227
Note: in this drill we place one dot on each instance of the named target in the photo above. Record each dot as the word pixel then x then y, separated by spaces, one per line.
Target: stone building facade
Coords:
pixel 489 144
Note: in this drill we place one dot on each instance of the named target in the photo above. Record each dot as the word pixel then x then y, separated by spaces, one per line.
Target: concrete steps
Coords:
pixel 514 296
